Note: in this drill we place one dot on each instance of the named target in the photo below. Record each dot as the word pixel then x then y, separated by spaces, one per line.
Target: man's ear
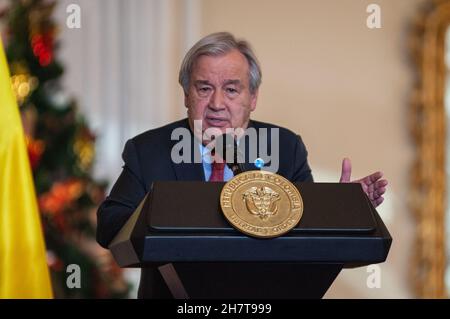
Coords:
pixel 254 98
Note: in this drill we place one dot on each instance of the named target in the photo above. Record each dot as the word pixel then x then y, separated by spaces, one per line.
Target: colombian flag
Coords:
pixel 23 267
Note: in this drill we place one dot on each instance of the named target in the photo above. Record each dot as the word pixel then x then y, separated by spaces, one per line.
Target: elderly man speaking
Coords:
pixel 220 77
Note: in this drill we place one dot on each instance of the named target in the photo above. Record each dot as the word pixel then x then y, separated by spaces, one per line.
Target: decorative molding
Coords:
pixel 428 123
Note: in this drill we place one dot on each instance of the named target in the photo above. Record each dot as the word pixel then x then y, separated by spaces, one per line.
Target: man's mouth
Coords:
pixel 216 121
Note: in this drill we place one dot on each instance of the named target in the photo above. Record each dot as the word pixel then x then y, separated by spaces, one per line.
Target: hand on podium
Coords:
pixel 372 184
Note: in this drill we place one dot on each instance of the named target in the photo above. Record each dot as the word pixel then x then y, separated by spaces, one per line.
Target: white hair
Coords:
pixel 217 44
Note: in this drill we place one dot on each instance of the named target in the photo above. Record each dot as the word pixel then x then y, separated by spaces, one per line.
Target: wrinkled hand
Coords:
pixel 372 184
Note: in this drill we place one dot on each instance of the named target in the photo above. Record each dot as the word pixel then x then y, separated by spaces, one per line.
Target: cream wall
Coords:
pixel 345 88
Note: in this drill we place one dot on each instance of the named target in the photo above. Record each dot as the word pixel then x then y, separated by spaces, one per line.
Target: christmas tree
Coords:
pixel 61 150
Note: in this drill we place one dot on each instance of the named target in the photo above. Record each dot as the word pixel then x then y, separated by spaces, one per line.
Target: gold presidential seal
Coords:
pixel 261 204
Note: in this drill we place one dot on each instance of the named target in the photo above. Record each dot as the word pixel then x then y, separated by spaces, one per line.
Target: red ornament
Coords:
pixel 42 45
pixel 60 196
pixel 35 149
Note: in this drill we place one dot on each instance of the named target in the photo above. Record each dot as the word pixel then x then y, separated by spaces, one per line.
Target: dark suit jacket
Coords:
pixel 147 158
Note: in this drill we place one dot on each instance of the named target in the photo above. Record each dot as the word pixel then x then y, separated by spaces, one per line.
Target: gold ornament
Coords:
pixel 84 148
pixel 23 84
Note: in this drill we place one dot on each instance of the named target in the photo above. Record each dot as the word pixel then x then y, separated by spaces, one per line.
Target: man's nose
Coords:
pixel 217 101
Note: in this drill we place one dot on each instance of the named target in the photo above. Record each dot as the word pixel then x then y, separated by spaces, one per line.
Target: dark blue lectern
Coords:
pixel 180 230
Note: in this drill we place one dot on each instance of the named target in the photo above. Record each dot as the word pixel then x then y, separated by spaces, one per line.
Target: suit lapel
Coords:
pixel 249 162
pixel 188 171
pixel 251 167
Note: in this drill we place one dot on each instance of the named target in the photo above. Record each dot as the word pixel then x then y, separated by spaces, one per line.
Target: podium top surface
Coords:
pixel 183 222
pixel 326 210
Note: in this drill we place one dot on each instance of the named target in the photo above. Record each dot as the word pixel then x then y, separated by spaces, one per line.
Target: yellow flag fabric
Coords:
pixel 23 267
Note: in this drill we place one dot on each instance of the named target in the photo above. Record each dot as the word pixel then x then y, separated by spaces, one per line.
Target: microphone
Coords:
pixel 230 147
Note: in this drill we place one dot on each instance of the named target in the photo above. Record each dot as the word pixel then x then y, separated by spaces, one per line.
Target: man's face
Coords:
pixel 219 93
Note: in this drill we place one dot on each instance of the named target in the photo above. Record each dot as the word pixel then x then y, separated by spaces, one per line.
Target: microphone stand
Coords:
pixel 237 167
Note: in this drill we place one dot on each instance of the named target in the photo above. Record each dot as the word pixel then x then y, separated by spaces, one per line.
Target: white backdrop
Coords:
pixel 122 67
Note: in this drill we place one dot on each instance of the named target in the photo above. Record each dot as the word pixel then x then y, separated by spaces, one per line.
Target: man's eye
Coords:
pixel 231 90
pixel 204 89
